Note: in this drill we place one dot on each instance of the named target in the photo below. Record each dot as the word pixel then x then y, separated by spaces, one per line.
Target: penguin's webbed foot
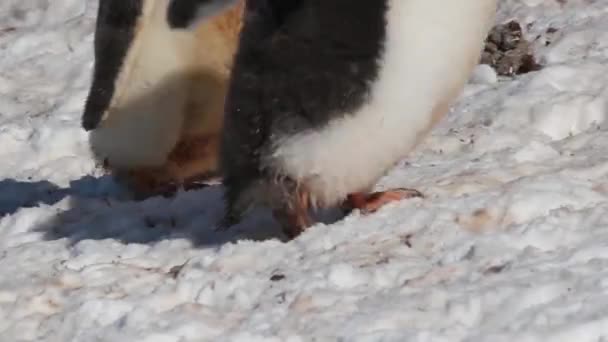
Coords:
pixel 147 182
pixel 189 166
pixel 369 203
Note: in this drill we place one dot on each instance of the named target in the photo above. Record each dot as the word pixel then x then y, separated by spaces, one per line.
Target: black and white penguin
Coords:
pixel 327 95
pixel 155 105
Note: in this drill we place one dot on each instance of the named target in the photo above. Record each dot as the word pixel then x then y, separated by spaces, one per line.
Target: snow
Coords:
pixel 510 243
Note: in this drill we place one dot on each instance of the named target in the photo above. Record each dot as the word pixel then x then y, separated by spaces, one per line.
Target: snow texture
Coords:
pixel 510 244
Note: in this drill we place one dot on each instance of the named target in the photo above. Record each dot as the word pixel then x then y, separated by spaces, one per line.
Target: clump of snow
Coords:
pixel 510 243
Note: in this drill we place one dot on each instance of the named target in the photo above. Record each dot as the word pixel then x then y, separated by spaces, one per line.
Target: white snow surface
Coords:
pixel 510 244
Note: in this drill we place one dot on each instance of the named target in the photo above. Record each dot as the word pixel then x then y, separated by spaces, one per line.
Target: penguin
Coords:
pixel 155 104
pixel 326 96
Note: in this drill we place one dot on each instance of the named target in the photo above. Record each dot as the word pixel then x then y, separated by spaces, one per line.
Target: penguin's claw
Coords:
pixel 230 219
pixel 295 218
pixel 369 203
pixel 292 222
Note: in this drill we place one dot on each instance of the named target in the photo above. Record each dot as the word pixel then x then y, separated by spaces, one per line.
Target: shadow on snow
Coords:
pixel 99 209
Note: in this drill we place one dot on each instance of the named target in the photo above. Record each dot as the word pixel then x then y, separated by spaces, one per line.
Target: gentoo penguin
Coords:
pixel 326 96
pixel 155 105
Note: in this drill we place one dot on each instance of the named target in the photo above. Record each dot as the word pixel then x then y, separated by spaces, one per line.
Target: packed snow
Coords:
pixel 509 244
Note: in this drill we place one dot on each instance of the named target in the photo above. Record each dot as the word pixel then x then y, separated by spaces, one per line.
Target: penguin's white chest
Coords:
pixel 429 51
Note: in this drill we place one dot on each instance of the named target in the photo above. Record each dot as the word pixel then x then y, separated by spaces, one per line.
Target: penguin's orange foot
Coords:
pixel 369 203
pixel 191 165
pixel 148 182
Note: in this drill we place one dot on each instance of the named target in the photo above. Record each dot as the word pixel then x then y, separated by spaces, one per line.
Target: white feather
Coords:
pixel 143 122
pixel 430 50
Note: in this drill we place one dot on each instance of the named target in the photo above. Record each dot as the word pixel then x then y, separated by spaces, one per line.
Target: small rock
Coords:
pixel 277 277
pixel 508 52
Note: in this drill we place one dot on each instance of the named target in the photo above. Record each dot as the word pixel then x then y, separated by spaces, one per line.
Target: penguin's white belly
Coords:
pixel 430 49
pixel 143 121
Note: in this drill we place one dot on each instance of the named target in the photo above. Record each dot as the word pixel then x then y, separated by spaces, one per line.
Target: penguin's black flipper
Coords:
pixel 114 33
pixel 183 14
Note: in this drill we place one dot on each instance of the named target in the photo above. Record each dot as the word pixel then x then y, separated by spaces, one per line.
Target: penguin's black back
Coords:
pixel 299 65
pixel 114 33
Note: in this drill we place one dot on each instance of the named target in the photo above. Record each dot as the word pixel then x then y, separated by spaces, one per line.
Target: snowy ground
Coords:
pixel 511 243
